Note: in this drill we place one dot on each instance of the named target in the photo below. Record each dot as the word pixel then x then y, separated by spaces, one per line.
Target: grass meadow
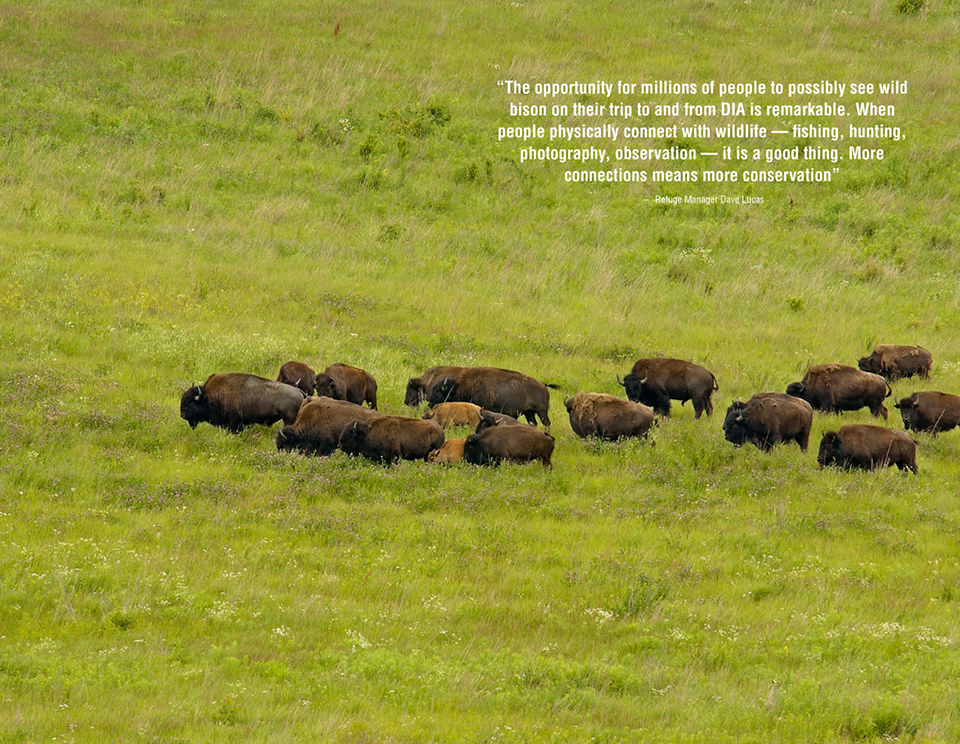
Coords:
pixel 190 188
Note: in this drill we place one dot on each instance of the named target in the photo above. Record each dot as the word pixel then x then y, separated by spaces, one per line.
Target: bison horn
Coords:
pixel 566 402
pixel 644 380
pixel 281 435
pixel 622 383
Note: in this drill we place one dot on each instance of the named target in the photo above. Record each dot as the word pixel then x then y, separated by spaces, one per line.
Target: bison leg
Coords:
pixel 879 410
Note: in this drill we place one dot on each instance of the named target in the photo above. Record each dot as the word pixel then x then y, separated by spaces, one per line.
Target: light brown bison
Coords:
pixel 832 388
pixel 319 425
pixel 894 362
pixel 658 380
pixel 503 390
pixel 391 438
pixel 505 443
pixel 930 411
pixel 607 417
pixel 450 452
pixel 768 419
pixel 343 382
pixel 299 375
pixel 867 447
pixel 421 388
pixel 454 414
pixel 234 400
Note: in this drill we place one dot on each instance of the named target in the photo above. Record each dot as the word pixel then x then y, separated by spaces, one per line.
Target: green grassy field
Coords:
pixel 190 188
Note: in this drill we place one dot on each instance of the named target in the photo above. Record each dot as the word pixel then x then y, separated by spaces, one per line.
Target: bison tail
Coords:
pixel 716 385
pixel 552 386
pixel 889 390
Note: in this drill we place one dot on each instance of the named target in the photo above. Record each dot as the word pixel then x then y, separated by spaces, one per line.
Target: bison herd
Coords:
pixel 324 412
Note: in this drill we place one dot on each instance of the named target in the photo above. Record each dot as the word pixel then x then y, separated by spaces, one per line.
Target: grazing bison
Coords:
pixel 607 417
pixel 234 400
pixel 894 362
pixel 454 414
pixel 510 444
pixel 299 375
pixel 319 425
pixel 450 452
pixel 654 382
pixel 836 387
pixel 867 447
pixel 768 419
pixel 930 411
pixel 343 382
pixel 503 390
pixel 420 388
pixel 391 438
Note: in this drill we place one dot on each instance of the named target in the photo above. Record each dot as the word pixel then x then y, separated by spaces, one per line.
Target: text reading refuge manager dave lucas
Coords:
pixel 715 199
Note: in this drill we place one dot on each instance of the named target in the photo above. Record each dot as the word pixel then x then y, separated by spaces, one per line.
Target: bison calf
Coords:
pixel 930 411
pixel 454 414
pixel 450 452
pixel 837 387
pixel 234 400
pixel 607 417
pixel 867 447
pixel 893 362
pixel 391 438
pixel 768 419
pixel 319 425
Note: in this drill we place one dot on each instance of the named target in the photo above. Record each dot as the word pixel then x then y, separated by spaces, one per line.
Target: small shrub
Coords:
pixel 909 7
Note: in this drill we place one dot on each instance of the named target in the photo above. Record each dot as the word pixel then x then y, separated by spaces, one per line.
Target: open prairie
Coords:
pixel 190 188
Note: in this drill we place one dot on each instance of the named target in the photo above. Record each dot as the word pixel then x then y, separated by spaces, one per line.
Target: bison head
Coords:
pixel 442 391
pixel 908 411
pixel 797 390
pixel 326 387
pixel 289 441
pixel 829 449
pixel 415 392
pixel 194 406
pixel 353 437
pixel 736 428
pixel 633 386
pixel 474 452
pixel 870 363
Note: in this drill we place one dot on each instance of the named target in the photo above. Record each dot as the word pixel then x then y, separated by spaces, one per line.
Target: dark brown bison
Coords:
pixel 503 390
pixel 505 443
pixel 319 425
pixel 450 452
pixel 234 400
pixel 492 418
pixel 654 382
pixel 420 388
pixel 299 375
pixel 343 382
pixel 768 419
pixel 607 417
pixel 930 411
pixel 867 447
pixel 454 414
pixel 894 362
pixel 391 438
pixel 832 388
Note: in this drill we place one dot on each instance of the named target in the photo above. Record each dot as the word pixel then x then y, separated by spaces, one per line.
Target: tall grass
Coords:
pixel 189 189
